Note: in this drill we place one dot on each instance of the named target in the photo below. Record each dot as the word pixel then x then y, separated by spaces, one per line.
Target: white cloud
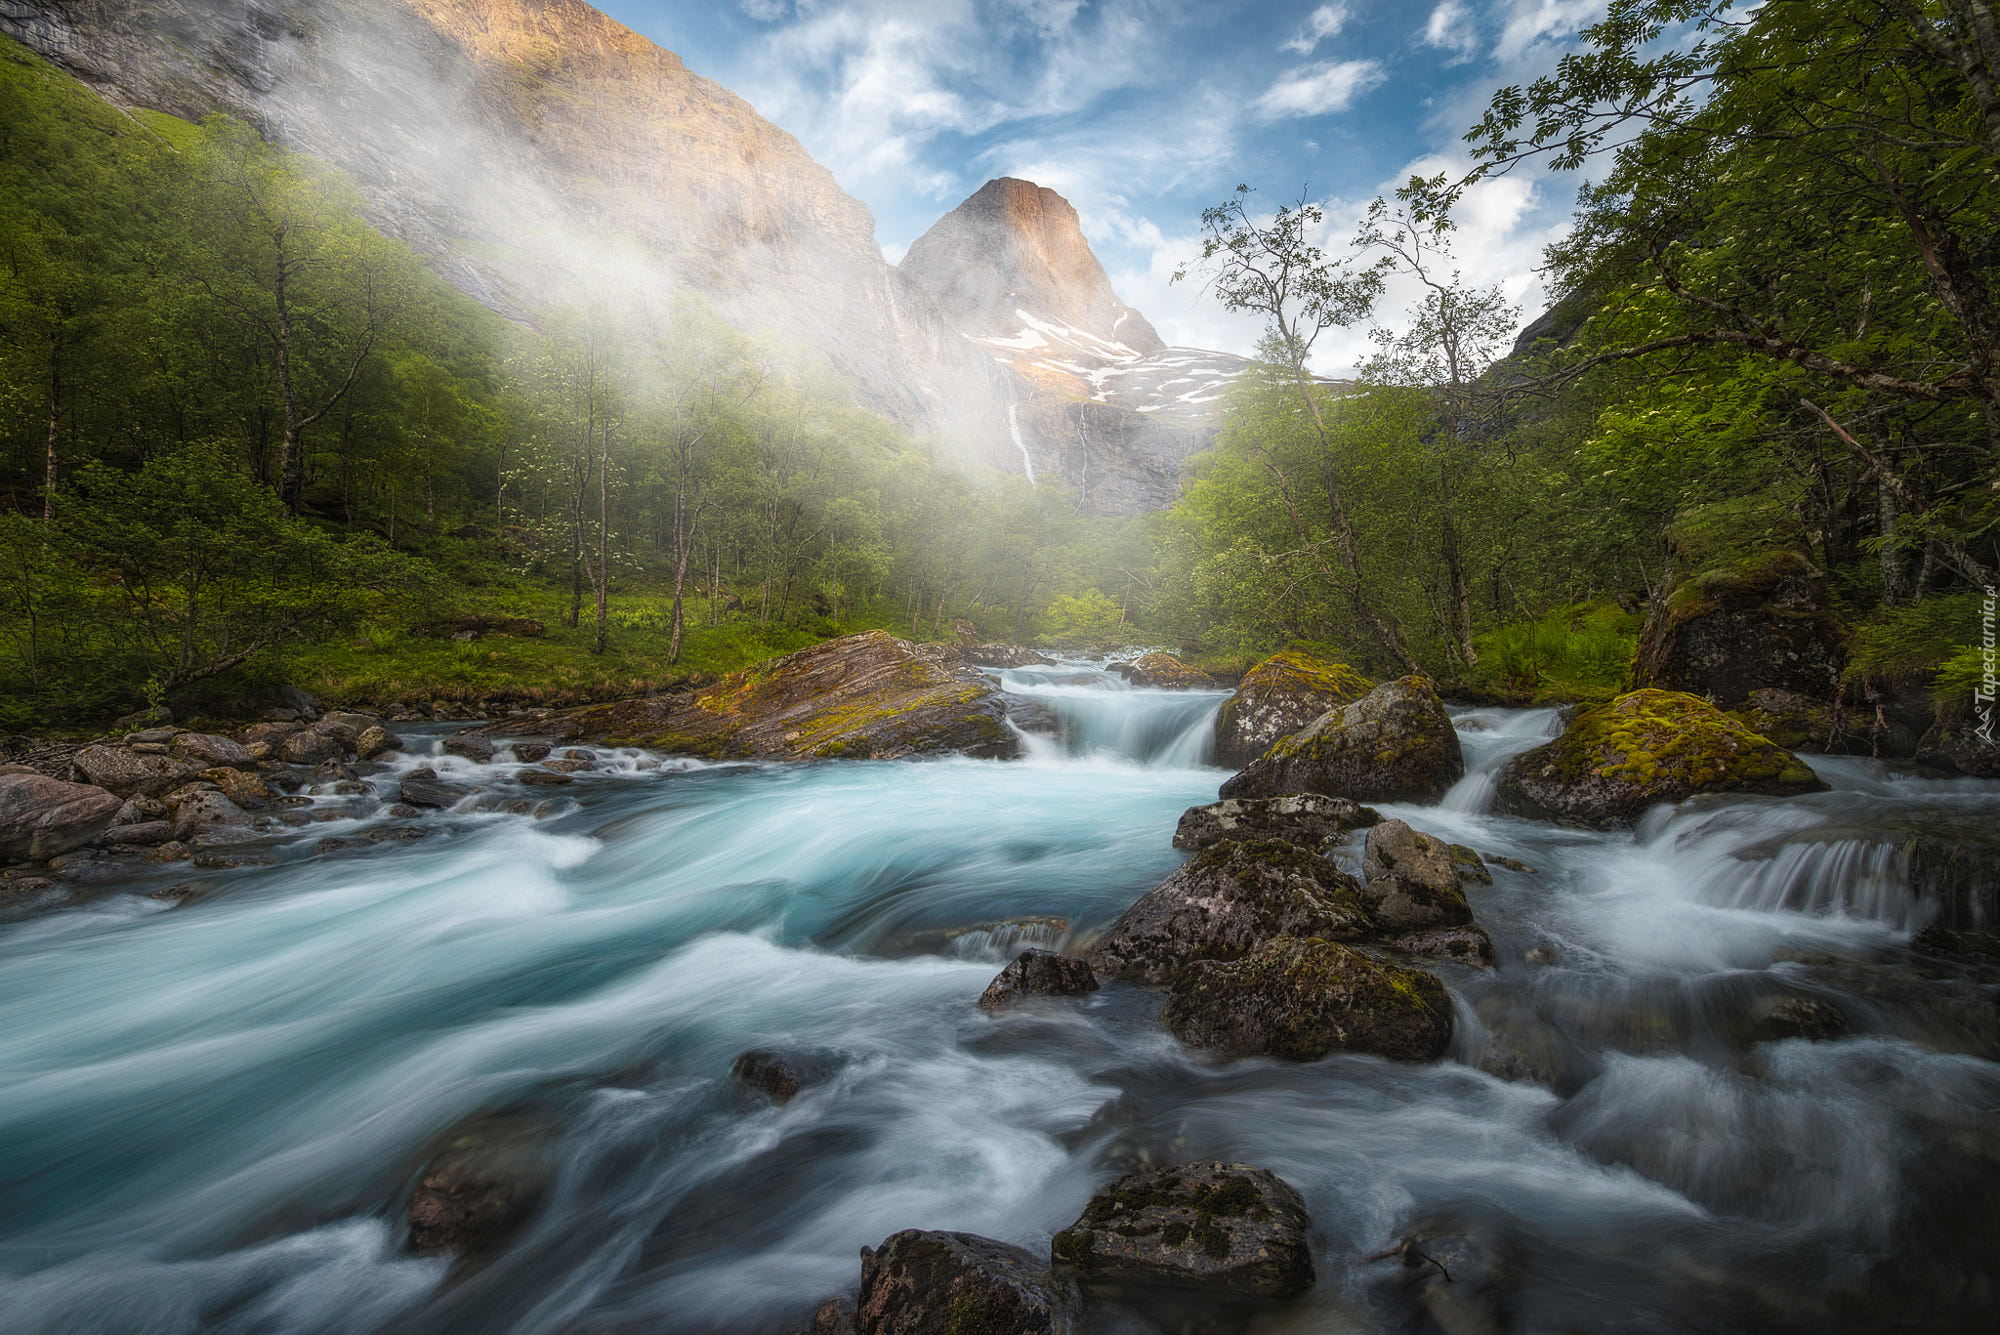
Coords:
pixel 764 11
pixel 1322 23
pixel 1452 28
pixel 1316 90
pixel 1531 21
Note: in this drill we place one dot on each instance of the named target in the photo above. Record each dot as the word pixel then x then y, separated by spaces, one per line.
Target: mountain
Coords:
pixel 532 149
pixel 1099 399
pixel 535 150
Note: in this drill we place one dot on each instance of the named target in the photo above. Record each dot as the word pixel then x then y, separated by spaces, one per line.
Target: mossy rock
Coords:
pixel 1301 999
pixel 1227 1230
pixel 1310 820
pixel 1411 881
pixel 1395 744
pixel 1761 623
pixel 927 1283
pixel 1227 901
pixel 1165 672
pixel 1646 747
pixel 1279 696
pixel 1793 721
pixel 869 696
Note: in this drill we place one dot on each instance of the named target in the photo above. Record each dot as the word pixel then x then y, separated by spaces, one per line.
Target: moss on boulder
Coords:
pixel 1646 747
pixel 1760 623
pixel 1281 695
pixel 860 697
pixel 1300 999
pixel 1226 1229
pixel 1307 819
pixel 1411 880
pixel 1793 721
pixel 1395 744
pixel 1227 901
pixel 929 1283
pixel 1166 672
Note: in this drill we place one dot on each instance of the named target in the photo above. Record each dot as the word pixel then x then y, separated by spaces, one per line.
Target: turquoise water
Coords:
pixel 213 1114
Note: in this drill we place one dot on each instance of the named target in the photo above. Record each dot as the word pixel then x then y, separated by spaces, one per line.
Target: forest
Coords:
pixel 246 438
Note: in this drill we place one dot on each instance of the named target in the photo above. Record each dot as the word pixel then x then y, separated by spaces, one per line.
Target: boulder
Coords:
pixel 271 734
pixel 126 772
pixel 143 834
pixel 206 809
pixel 240 787
pixel 869 696
pixel 781 1075
pixel 1004 656
pixel 423 788
pixel 1964 741
pixel 478 1190
pixel 1038 973
pixel 1307 819
pixel 1300 999
pixel 1410 881
pixel 298 701
pixel 1227 901
pixel 41 818
pixel 1165 672
pixel 1227 1229
pixel 477 750
pixel 537 776
pixel 1793 721
pixel 925 1283
pixel 1468 945
pixel 201 750
pixel 1615 760
pixel 314 747
pixel 1394 744
pixel 1278 697
pixel 376 740
pixel 1725 633
pixel 530 752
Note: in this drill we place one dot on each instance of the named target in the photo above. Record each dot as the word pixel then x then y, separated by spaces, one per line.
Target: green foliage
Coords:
pixel 1915 641
pixel 1577 652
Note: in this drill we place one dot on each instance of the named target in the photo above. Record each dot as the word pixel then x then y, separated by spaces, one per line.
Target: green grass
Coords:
pixel 1575 653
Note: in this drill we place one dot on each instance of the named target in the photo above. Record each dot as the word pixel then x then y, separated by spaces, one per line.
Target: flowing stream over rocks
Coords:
pixel 1733 1102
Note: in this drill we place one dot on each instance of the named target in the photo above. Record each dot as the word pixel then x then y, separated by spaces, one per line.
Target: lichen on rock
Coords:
pixel 1395 744
pixel 1301 999
pixel 1616 760
pixel 1279 696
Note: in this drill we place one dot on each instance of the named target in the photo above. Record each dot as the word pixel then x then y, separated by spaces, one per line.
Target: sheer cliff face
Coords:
pixel 1099 400
pixel 535 150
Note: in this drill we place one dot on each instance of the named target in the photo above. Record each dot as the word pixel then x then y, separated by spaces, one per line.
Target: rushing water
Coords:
pixel 213 1115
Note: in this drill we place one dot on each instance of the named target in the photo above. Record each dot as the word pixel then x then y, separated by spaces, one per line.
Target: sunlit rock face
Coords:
pixel 535 151
pixel 1101 402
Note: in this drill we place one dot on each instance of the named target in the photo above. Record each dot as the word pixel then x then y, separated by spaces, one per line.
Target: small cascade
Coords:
pixel 1490 738
pixel 1098 715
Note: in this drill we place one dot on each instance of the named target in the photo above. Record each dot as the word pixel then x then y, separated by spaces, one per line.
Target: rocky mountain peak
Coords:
pixel 1013 255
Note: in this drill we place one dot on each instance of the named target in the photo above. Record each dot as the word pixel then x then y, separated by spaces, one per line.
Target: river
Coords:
pixel 212 1115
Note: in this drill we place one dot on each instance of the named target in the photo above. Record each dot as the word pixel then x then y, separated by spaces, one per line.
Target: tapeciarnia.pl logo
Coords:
pixel 1982 694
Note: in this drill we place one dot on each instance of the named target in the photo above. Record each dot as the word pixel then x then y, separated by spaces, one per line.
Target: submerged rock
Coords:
pixel 475 1195
pixel 423 788
pixel 1395 744
pixel 1411 881
pixel 1227 1229
pixel 860 697
pixel 41 818
pixel 1225 902
pixel 1616 760
pixel 1278 697
pixel 1300 999
pixel 1038 973
pixel 780 1075
pixel 926 1283
pixel 1306 819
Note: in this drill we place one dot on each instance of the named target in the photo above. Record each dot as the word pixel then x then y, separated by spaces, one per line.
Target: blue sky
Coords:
pixel 1143 112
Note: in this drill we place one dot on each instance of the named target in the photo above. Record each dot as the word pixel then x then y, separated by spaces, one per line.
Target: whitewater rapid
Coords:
pixel 213 1114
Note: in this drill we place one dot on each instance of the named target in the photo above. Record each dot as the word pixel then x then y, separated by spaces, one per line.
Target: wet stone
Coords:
pixel 1038 973
pixel 538 777
pixel 781 1075
pixel 468 748
pixel 1230 1230
pixel 1306 819
pixel 422 788
pixel 530 752
pixel 1468 945
pixel 924 1283
pixel 474 1196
